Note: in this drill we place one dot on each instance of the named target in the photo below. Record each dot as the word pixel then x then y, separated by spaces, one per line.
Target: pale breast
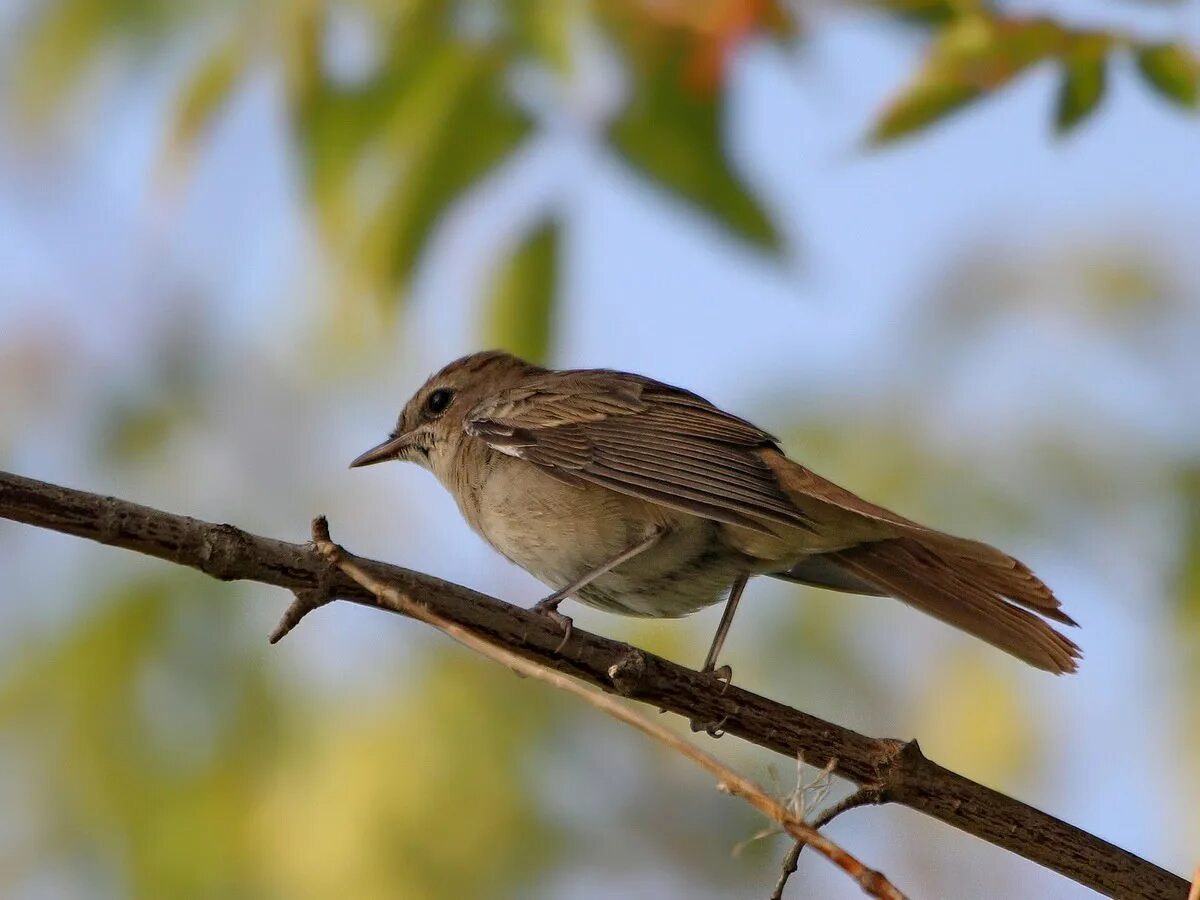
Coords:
pixel 558 532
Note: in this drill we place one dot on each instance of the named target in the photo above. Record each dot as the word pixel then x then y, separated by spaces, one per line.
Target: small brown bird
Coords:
pixel 641 498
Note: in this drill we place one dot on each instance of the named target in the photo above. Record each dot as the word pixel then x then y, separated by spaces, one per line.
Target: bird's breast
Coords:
pixel 558 532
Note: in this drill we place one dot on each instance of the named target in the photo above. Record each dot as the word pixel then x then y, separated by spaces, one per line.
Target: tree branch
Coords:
pixel 872 882
pixel 897 770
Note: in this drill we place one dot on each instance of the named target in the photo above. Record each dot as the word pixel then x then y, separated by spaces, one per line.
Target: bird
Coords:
pixel 641 498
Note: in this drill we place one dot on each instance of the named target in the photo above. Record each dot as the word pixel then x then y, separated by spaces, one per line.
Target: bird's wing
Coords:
pixel 642 438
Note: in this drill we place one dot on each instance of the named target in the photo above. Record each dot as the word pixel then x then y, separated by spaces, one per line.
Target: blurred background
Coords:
pixel 946 249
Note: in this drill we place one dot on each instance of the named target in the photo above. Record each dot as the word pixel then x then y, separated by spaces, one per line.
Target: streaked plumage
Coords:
pixel 561 471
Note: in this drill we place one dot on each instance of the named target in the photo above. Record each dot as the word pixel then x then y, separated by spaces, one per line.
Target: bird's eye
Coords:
pixel 436 403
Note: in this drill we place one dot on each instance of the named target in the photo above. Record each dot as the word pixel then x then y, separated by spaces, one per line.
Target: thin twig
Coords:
pixel 304 602
pixel 864 796
pixel 872 882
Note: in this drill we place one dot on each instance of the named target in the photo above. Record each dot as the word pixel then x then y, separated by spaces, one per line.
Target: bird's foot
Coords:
pixel 548 607
pixel 712 729
pixel 723 675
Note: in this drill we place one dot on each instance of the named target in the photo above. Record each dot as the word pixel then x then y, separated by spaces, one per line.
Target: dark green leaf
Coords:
pixel 672 131
pixel 1172 71
pixel 1084 76
pixel 520 315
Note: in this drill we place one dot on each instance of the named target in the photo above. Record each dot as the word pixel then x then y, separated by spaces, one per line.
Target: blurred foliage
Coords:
pixel 977 50
pixel 671 128
pixel 151 723
pixel 388 797
pixel 1187 587
pixel 393 139
pixel 970 712
pixel 521 313
pixel 152 734
pixel 1172 71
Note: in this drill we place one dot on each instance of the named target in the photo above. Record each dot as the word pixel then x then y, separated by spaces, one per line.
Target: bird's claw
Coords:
pixel 712 729
pixel 723 674
pixel 549 608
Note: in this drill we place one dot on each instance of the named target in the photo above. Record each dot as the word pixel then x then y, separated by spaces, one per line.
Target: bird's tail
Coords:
pixel 971 586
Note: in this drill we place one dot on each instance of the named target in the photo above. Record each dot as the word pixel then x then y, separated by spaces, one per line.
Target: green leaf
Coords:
pixel 459 127
pixel 1084 77
pixel 386 159
pixel 1172 71
pixel 520 314
pixel 63 37
pixel 924 103
pixel 929 11
pixel 672 131
pixel 204 93
pixel 970 59
pixel 1188 583
pixel 543 30
pixel 338 125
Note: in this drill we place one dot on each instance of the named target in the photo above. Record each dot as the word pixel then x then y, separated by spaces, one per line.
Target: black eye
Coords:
pixel 437 402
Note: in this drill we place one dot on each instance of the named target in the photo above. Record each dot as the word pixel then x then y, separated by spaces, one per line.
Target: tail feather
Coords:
pixel 976 589
pixel 997 571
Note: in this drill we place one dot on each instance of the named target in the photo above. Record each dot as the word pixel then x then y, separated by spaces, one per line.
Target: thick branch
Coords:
pixel 729 781
pixel 898 770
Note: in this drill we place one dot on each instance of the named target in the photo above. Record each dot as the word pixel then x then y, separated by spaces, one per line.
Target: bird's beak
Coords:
pixel 392 448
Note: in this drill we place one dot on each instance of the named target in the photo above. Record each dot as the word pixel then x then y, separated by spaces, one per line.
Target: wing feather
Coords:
pixel 643 438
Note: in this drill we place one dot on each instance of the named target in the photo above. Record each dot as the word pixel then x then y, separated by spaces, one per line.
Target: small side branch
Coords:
pixel 864 796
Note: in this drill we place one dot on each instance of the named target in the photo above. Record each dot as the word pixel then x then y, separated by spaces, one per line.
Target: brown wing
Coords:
pixel 642 438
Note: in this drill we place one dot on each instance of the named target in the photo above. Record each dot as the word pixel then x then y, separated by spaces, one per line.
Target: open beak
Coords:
pixel 392 448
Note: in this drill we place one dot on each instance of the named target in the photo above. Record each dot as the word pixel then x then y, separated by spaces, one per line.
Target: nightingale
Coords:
pixel 641 498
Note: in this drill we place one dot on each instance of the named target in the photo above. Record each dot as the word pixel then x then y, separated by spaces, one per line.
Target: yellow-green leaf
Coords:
pixel 971 58
pixel 921 105
pixel 62 38
pixel 520 314
pixel 204 93
pixel 1188 593
pixel 1172 71
pixel 543 29
pixel 932 11
pixel 1084 76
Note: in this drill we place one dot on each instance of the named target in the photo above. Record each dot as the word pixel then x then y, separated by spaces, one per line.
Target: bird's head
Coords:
pixel 430 427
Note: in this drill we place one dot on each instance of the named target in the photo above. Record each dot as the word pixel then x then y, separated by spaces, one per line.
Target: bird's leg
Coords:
pixel 724 674
pixel 710 661
pixel 548 606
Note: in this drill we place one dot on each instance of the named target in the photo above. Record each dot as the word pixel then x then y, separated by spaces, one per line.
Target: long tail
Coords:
pixel 965 583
